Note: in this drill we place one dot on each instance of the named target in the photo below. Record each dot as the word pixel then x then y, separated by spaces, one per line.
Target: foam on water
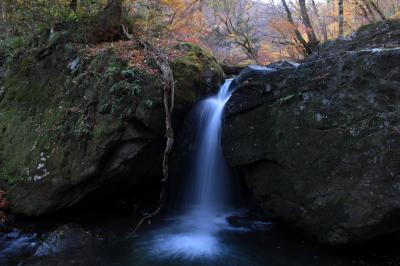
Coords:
pixel 186 245
pixel 261 68
pixel 190 237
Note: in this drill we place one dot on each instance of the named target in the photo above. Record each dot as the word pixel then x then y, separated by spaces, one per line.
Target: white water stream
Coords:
pixel 209 193
pixel 194 234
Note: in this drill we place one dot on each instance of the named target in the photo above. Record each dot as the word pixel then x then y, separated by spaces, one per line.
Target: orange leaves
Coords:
pixel 123 50
pixel 186 19
pixel 282 26
pixel 175 5
pixel 129 52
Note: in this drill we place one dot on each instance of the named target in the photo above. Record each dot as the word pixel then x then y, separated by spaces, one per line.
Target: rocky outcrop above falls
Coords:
pixel 87 121
pixel 319 143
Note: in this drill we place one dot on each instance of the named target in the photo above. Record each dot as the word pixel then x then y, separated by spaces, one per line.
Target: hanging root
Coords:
pixel 168 84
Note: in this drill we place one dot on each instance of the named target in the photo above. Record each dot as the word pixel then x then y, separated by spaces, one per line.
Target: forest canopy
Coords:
pixel 235 31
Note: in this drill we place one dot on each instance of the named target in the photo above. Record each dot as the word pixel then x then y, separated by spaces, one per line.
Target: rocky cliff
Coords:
pixel 81 120
pixel 318 143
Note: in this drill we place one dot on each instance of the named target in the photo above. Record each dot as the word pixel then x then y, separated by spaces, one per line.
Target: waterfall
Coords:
pixel 195 233
pixel 209 178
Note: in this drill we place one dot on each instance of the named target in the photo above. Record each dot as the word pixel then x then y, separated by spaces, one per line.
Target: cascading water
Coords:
pixel 194 234
pixel 209 190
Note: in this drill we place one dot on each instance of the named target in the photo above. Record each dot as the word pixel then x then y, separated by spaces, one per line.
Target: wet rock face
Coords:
pixel 319 143
pixel 78 123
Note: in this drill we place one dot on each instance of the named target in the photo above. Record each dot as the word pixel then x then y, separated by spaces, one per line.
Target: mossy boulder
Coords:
pixel 318 143
pixel 81 121
pixel 196 72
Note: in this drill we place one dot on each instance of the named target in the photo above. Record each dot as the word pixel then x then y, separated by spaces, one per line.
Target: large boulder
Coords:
pixel 78 121
pixel 319 143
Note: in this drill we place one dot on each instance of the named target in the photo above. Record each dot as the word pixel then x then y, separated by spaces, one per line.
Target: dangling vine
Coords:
pixel 168 84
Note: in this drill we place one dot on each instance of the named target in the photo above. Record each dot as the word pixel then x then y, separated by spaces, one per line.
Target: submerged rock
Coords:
pixel 318 143
pixel 246 222
pixel 16 245
pixel 81 122
pixel 66 238
pixel 232 69
pixel 69 244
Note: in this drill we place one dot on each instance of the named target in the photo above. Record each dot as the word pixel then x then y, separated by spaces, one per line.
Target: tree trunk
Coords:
pixel 2 13
pixel 110 21
pixel 321 24
pixel 363 10
pixel 341 18
pixel 368 7
pixel 73 5
pixel 4 23
pixel 299 37
pixel 377 9
pixel 2 20
pixel 312 39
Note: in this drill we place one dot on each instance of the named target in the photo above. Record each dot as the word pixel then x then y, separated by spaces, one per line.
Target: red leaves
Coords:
pixel 4 205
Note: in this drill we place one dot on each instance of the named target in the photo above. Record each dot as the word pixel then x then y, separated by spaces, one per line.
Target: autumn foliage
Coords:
pixel 235 31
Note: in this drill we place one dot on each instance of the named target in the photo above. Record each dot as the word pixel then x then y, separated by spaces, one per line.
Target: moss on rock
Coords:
pixel 71 121
pixel 196 73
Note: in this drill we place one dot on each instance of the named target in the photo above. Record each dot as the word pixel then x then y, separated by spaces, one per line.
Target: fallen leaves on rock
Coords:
pixel 131 52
